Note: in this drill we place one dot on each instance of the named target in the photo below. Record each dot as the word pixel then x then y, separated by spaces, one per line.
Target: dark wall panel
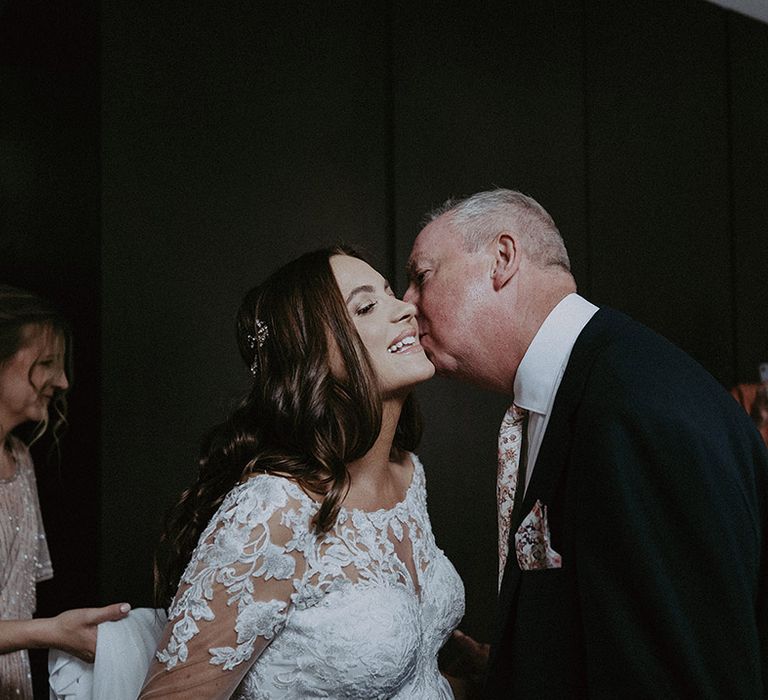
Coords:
pixel 233 141
pixel 49 243
pixel 489 99
pixel 749 135
pixel 658 206
pixel 482 99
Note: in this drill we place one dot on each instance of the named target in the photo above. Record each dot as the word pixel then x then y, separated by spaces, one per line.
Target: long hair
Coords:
pixel 300 419
pixel 23 314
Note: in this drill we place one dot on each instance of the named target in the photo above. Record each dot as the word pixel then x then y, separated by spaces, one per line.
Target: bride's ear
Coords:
pixel 506 259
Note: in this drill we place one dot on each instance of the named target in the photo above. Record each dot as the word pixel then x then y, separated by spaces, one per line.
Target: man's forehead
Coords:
pixel 431 238
pixel 422 253
pixel 416 261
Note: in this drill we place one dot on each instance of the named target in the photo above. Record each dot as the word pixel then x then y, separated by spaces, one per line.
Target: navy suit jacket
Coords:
pixel 655 481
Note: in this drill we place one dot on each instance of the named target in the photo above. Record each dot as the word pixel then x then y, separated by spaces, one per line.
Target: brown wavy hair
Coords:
pixel 20 310
pixel 299 420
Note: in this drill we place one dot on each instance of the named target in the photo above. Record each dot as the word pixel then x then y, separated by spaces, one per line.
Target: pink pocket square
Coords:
pixel 532 542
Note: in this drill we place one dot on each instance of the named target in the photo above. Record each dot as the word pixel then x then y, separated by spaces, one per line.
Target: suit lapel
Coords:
pixel 556 445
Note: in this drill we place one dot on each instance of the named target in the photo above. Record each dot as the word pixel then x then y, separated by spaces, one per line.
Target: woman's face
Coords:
pixel 386 325
pixel 29 379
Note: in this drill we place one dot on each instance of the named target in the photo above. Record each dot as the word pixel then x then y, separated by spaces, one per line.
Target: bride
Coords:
pixel 302 562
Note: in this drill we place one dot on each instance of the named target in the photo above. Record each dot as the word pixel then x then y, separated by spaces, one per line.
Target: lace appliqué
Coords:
pixel 359 611
pixel 234 550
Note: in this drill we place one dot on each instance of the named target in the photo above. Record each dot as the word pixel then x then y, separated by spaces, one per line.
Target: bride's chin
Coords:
pixel 428 371
pixel 401 392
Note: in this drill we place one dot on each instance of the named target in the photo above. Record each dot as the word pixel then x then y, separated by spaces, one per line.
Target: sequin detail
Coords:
pixel 24 561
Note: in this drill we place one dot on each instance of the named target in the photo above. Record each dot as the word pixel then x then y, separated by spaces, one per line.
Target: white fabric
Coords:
pixel 510 449
pixel 543 365
pixel 123 653
pixel 358 612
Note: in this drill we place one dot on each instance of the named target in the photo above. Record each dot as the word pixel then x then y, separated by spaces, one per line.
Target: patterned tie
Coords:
pixel 510 447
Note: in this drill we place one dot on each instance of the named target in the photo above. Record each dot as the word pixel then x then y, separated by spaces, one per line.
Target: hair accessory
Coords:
pixel 262 333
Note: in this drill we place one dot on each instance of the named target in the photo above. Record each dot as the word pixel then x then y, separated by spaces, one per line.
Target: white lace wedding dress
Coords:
pixel 269 609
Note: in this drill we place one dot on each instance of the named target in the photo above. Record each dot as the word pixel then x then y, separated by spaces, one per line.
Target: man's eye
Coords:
pixel 421 276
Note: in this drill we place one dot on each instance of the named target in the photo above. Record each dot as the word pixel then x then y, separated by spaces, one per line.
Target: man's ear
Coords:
pixel 506 259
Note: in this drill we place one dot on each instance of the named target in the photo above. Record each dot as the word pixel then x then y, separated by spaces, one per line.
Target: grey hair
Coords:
pixel 480 218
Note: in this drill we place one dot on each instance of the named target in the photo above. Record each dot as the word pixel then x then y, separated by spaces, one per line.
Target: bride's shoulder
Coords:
pixel 410 468
pixel 262 495
pixel 270 485
pixel 415 461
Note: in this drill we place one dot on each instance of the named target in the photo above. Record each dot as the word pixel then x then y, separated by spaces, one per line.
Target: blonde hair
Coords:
pixel 22 315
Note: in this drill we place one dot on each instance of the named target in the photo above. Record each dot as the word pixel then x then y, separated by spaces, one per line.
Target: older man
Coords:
pixel 632 488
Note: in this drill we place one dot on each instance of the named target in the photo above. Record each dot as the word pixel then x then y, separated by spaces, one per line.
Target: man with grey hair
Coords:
pixel 632 490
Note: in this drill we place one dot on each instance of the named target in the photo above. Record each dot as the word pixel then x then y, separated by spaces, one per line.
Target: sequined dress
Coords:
pixel 24 560
pixel 285 612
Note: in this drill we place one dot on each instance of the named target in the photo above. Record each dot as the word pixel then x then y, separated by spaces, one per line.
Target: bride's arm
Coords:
pixel 232 601
pixel 73 631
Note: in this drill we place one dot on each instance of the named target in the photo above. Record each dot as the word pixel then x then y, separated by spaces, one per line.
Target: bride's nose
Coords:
pixel 404 310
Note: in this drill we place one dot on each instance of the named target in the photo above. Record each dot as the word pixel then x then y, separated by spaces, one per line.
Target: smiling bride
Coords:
pixel 302 563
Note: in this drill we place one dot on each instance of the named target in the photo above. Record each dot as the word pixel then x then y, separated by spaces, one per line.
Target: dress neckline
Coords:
pixel 382 511
pixel 378 512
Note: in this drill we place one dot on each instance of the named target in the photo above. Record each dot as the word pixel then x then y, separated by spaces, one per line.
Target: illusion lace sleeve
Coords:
pixel 234 595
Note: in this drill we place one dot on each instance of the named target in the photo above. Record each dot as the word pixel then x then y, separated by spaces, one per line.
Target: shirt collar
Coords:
pixel 542 365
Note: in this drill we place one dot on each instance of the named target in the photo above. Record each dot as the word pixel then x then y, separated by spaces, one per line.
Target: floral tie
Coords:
pixel 510 447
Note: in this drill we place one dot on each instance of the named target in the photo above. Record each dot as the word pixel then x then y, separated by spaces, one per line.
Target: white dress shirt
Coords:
pixel 541 369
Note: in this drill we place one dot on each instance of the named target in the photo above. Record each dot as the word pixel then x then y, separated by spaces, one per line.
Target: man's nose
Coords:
pixel 410 294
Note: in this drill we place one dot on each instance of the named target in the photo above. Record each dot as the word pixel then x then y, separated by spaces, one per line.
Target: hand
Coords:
pixel 74 631
pixel 759 410
pixel 466 669
pixel 470 656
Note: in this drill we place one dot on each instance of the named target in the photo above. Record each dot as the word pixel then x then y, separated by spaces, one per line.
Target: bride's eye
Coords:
pixel 365 308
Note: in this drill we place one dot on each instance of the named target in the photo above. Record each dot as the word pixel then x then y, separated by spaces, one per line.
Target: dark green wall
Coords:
pixel 233 141
pixel 234 138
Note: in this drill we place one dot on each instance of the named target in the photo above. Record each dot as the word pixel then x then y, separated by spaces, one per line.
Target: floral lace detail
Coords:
pixel 360 611
pixel 234 549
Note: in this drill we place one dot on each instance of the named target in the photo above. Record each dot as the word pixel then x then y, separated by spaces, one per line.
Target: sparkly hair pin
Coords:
pixel 258 340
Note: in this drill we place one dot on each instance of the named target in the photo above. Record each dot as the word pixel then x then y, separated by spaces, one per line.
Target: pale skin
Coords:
pixel 380 318
pixel 73 631
pixel 456 292
pixel 379 479
pixel 28 381
pixel 375 476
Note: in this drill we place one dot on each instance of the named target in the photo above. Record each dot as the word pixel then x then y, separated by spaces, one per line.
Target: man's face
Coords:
pixel 447 285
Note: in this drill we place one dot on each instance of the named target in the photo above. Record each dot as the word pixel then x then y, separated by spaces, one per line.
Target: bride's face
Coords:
pixel 386 325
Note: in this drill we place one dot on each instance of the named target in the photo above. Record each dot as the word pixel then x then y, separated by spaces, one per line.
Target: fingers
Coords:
pixel 464 640
pixel 109 613
pixel 85 655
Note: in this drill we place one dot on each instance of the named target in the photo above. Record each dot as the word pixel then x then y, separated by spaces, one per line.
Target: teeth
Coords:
pixel 405 342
